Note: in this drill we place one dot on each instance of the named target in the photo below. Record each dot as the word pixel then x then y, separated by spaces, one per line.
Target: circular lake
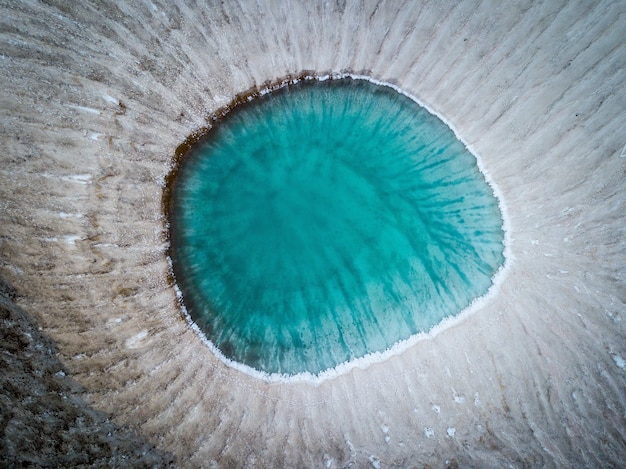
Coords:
pixel 327 220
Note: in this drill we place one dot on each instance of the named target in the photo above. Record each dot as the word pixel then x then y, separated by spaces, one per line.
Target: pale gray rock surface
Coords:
pixel 97 95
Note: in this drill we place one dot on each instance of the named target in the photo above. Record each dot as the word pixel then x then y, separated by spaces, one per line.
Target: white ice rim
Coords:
pixel 401 346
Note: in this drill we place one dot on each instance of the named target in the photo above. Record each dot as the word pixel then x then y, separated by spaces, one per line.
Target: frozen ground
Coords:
pixel 96 96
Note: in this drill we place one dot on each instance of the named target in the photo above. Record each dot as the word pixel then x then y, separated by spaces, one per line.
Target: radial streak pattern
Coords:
pixel 95 98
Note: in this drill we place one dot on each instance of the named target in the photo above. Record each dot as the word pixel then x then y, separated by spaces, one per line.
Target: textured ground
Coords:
pixel 44 422
pixel 97 95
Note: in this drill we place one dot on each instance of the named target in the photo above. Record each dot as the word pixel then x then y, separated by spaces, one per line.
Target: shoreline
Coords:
pixel 371 358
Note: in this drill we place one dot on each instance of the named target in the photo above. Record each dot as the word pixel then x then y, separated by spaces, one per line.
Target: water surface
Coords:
pixel 328 220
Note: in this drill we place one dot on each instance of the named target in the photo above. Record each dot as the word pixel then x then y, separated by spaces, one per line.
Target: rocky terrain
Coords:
pixel 44 422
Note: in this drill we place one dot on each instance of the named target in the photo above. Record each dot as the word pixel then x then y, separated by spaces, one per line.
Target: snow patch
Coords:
pixel 79 178
pixel 385 430
pixel 89 110
pixel 619 361
pixel 111 99
pixel 458 398
pixel 135 341
pixel 375 461
pixel 71 239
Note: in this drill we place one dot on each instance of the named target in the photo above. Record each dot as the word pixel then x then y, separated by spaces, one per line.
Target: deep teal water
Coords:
pixel 328 220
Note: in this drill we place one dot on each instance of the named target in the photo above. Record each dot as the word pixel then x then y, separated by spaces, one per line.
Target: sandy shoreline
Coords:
pixel 95 102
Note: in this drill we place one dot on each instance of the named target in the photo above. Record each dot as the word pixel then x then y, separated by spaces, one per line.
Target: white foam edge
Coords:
pixel 401 346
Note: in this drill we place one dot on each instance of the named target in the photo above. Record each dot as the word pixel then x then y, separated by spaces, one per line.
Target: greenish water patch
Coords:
pixel 328 220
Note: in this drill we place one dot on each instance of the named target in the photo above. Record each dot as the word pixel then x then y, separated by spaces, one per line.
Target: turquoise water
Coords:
pixel 328 220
